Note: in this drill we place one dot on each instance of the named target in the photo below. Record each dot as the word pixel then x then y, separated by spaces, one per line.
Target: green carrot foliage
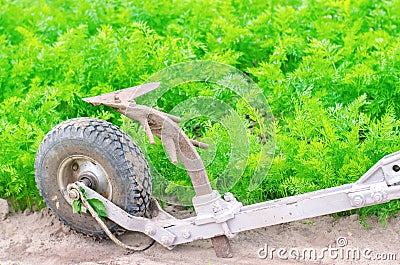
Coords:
pixel 329 69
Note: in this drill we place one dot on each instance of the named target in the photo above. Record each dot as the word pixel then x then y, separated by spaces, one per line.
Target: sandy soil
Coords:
pixel 39 238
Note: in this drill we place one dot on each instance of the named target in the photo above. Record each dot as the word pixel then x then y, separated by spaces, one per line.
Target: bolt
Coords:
pixel 116 98
pixel 217 208
pixel 228 197
pixel 358 200
pixel 73 194
pixel 166 240
pixel 396 168
pixel 186 234
pixel 377 196
pixel 75 166
pixel 150 230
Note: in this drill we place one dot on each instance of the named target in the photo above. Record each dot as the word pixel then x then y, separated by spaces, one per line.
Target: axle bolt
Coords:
pixel 89 179
pixel 73 194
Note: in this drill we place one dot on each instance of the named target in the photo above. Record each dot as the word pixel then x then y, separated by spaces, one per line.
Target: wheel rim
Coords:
pixel 82 168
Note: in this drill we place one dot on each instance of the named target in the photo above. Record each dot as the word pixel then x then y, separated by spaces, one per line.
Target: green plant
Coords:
pixel 330 71
pixel 96 204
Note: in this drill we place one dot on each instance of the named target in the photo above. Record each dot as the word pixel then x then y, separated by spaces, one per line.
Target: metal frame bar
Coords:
pixel 211 224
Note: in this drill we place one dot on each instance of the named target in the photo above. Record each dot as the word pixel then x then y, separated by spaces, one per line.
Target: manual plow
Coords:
pixel 85 158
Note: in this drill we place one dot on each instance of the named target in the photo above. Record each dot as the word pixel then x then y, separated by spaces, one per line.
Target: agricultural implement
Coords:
pixel 85 158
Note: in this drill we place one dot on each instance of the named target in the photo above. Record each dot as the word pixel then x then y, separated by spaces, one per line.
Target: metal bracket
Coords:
pixel 211 208
pixel 150 227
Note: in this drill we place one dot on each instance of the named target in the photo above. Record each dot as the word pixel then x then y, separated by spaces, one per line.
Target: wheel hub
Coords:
pixel 89 179
pixel 89 171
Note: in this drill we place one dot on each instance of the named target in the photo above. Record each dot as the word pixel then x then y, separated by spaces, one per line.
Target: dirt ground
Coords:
pixel 39 238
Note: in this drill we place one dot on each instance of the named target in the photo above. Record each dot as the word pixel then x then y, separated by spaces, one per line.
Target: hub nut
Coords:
pixel 73 194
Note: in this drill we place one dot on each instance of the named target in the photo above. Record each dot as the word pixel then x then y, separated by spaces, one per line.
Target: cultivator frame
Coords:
pixel 221 217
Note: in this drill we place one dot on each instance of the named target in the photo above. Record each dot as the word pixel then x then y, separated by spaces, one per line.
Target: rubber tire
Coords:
pixel 115 151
